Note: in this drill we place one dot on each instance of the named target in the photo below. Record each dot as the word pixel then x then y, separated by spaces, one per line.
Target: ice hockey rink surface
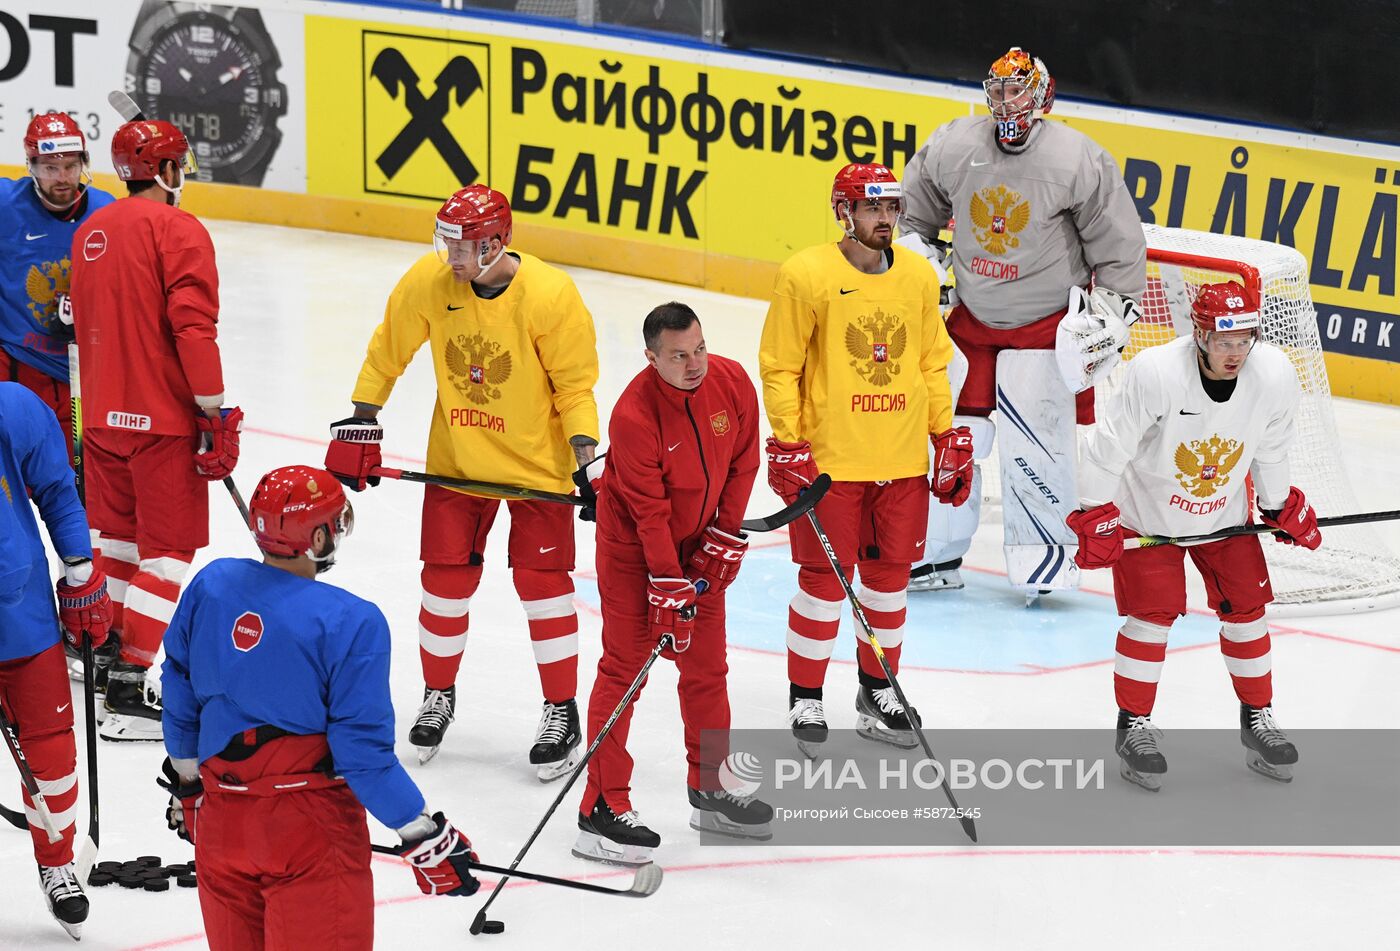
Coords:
pixel 297 311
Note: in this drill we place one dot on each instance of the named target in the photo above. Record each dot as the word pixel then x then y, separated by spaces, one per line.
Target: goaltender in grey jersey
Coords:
pixel 1030 223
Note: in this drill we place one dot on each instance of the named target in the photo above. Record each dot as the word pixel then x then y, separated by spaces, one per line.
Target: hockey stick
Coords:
pixel 967 824
pixel 14 818
pixel 644 883
pixel 1149 541
pixel 480 922
pixel 238 501
pixel 88 855
pixel 27 780
pixel 805 503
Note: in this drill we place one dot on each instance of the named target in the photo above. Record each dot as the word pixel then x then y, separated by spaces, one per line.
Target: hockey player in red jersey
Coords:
pixel 280 734
pixel 1171 456
pixel 516 361
pixel 33 679
pixel 146 304
pixel 683 454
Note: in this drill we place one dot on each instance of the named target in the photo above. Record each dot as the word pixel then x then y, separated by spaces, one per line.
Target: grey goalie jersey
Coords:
pixel 1029 224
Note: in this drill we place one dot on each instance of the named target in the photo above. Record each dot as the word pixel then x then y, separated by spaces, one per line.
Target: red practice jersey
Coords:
pixel 145 295
pixel 678 461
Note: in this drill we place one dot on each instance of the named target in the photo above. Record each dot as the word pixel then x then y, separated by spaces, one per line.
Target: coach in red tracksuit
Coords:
pixel 680 467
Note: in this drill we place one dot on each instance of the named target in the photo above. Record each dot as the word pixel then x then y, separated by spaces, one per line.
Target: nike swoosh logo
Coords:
pixel 546 551
pixel 672 448
pixel 450 307
pixel 844 292
pixel 920 543
pixel 35 237
pixel 1184 413
pixel 1264 582
pixel 60 709
pixel 977 164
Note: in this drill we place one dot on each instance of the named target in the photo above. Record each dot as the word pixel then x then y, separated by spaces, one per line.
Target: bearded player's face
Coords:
pixel 874 221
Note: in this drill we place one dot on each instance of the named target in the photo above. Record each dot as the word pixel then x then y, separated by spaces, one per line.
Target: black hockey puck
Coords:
pixel 493 927
pixel 151 874
pixel 186 881
pixel 99 879
pixel 157 885
pixel 150 861
pixel 108 866
pixel 130 881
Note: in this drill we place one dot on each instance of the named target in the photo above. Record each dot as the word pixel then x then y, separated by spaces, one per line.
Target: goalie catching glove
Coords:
pixel 441 857
pixel 1092 334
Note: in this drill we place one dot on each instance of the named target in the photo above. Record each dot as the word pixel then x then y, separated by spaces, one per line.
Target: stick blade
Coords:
pixel 647 881
pixel 804 504
pixel 14 818
pixel 123 103
pixel 86 858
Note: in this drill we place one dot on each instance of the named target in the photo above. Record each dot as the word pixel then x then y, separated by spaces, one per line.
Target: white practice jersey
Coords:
pixel 1174 460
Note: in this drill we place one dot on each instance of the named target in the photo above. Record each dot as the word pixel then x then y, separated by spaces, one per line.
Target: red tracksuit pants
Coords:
pixel 282 870
pixel 627 640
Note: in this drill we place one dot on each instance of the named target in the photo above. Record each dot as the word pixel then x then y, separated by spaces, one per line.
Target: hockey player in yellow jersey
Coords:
pixel 516 361
pixel 854 359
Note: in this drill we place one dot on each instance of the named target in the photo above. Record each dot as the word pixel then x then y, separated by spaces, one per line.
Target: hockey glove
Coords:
pixel 354 452
pixel 1296 521
pixel 671 610
pixel 218 453
pixel 83 603
pixel 1100 536
pixel 790 468
pixel 587 477
pixel 716 561
pixel 58 323
pixel 951 481
pixel 442 859
pixel 186 796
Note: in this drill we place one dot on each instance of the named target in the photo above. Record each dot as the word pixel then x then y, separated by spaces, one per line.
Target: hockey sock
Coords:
pixel 548 599
pixel 1137 661
pixel 53 758
pixel 1245 647
pixel 814 616
pixel 150 601
pixel 443 619
pixel 118 559
pixel 883 596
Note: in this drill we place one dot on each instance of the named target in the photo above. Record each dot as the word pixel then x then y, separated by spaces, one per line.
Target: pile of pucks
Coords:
pixel 145 872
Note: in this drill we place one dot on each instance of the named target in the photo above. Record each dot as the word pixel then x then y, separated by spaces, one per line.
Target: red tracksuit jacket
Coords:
pixel 678 461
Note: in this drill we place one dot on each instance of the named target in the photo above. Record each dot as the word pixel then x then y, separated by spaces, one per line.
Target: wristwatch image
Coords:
pixel 211 71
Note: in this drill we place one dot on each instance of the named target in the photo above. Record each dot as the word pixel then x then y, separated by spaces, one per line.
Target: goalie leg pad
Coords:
pixel 1036 445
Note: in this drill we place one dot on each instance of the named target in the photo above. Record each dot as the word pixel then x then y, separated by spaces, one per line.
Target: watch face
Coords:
pixel 207 77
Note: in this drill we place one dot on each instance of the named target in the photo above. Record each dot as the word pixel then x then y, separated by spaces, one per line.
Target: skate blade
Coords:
pixel 1152 782
pixel 426 753
pixel 931 583
pixel 872 729
pixel 122 728
pixel 810 749
pixel 705 820
pixel 1282 774
pixel 74 929
pixel 549 772
pixel 596 848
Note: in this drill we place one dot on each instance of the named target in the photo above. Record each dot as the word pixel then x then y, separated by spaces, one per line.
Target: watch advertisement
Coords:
pixel 230 77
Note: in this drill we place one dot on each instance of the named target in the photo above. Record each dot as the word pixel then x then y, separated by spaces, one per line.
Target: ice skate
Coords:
pixel 604 836
pixel 1141 762
pixel 722 812
pixel 132 706
pixel 65 897
pixel 1267 748
pixel 808 721
pixel 880 717
pixel 438 710
pixel 942 577
pixel 556 749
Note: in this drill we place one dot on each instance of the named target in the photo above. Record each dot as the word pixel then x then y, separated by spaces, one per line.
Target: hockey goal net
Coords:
pixel 1353 570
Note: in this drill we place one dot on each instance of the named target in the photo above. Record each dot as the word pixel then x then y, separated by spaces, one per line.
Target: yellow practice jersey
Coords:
pixel 515 374
pixel 857 364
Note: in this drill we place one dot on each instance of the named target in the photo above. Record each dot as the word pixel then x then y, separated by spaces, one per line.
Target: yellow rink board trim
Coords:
pixel 1352 377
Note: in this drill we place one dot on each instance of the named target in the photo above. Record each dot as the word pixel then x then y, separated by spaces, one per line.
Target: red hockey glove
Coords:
pixel 442 860
pixel 790 468
pixel 185 800
pixel 1296 521
pixel 951 481
pixel 218 440
pixel 84 606
pixel 716 561
pixel 1100 536
pixel 671 610
pixel 354 451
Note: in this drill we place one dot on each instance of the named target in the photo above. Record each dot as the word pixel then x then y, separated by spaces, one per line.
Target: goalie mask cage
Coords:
pixel 1353 570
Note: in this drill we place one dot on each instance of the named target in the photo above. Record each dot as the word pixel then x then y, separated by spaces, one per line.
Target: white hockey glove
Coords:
pixel 938 254
pixel 1092 335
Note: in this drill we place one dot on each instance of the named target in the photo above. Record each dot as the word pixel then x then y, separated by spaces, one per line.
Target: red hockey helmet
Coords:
pixel 475 213
pixel 857 182
pixel 1019 90
pixel 1225 307
pixel 54 133
pixel 290 503
pixel 139 147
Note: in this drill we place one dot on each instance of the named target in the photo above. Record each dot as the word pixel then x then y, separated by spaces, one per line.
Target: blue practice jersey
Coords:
pixel 251 645
pixel 35 263
pixel 33 463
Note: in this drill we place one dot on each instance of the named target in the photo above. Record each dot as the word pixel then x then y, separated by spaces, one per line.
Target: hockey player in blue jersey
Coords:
pixel 33 679
pixel 280 732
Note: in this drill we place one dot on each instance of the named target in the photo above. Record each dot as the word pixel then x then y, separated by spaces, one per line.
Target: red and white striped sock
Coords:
pixel 118 559
pixel 443 620
pixel 548 599
pixel 1137 664
pixel 814 617
pixel 150 601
